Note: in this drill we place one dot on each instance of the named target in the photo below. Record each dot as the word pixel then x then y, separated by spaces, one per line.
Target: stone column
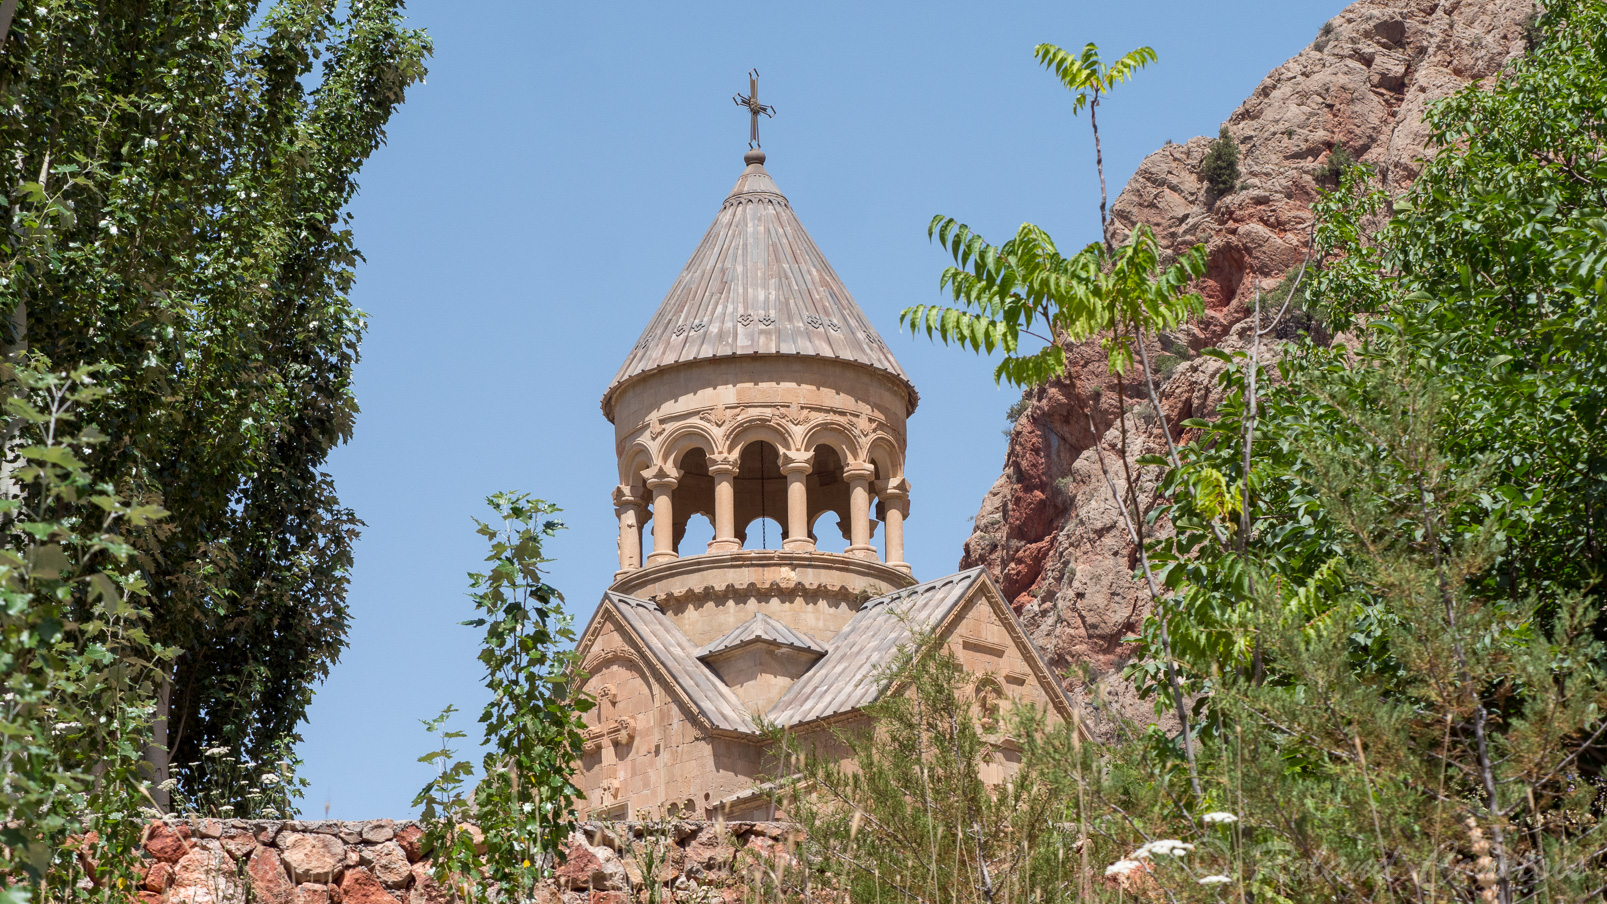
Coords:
pixel 630 509
pixel 662 482
pixel 724 471
pixel 895 495
pixel 858 475
pixel 797 465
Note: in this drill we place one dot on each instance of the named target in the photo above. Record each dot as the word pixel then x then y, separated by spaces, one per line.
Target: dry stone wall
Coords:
pixel 237 861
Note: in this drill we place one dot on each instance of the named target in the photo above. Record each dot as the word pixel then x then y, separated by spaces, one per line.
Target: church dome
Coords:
pixel 757 285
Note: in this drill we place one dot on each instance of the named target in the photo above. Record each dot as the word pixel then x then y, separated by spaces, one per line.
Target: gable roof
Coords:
pixel 851 676
pixel 756 285
pixel 761 628
pixel 674 655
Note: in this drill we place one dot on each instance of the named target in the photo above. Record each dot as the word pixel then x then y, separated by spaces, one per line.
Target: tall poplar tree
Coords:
pixel 177 175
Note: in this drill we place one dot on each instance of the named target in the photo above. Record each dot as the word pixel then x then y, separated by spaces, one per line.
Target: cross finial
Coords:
pixel 751 101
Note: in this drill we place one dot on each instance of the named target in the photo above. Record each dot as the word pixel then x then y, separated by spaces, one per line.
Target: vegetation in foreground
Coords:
pixel 175 366
pixel 177 177
pixel 1375 577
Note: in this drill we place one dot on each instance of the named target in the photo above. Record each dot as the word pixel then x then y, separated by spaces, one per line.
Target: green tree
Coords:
pixel 177 176
pixel 524 803
pixel 1126 296
pixel 1220 169
pixel 1417 517
pixel 78 670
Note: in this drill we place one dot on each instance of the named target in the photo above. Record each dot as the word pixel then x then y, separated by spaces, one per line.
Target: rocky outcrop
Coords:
pixel 1048 531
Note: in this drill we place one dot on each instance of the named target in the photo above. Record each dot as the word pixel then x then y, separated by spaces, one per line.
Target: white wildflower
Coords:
pixel 1122 867
pixel 1215 880
pixel 168 784
pixel 268 778
pixel 1219 817
pixel 1161 847
pixel 215 751
pixel 60 727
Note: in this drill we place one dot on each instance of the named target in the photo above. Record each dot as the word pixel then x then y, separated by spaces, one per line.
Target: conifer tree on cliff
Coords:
pixel 176 176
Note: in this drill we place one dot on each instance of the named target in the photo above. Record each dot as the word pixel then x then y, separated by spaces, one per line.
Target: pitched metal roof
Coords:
pixel 852 674
pixel 756 285
pixel 674 654
pixel 761 629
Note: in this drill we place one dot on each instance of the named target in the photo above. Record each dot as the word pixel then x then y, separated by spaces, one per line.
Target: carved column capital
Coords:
pixel 893 489
pixel 625 496
pixel 662 476
pixel 723 465
pixel 859 470
pixel 796 462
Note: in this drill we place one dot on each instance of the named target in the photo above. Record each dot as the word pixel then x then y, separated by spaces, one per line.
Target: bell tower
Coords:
pixel 759 390
pixel 758 393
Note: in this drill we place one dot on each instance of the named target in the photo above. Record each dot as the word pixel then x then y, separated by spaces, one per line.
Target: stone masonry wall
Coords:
pixel 237 861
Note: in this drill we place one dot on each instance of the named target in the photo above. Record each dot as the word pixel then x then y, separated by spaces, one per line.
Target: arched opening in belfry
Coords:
pixel 696 535
pixel 760 497
pixel 828 500
pixel 693 499
pixel 831 533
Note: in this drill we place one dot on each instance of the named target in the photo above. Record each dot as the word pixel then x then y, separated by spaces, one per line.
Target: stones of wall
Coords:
pixel 238 861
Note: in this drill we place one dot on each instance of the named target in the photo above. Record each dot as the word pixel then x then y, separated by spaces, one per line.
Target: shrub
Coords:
pixel 1164 364
pixel 1340 160
pixel 1221 167
pixel 1324 35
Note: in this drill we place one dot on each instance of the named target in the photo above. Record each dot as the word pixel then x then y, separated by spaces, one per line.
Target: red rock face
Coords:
pixel 1048 531
pixel 578 866
pixel 158 877
pixel 269 881
pixel 409 837
pixel 167 844
pixel 360 887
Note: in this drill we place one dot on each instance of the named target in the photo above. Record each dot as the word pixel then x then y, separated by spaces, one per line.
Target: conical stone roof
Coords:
pixel 756 285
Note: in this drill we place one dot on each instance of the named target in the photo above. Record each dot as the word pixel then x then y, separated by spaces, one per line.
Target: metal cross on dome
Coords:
pixel 751 101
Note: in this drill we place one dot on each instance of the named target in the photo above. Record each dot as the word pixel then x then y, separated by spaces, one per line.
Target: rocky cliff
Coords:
pixel 1048 530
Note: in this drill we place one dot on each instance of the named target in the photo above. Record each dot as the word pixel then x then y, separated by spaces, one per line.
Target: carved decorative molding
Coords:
pixel 595 662
pixel 863 425
pixel 621 731
pixel 717 415
pixel 797 415
pixel 840 592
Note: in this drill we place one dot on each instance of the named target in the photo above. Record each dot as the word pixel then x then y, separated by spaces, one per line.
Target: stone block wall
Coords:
pixel 237 861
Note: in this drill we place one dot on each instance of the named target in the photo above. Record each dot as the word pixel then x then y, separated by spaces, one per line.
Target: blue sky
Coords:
pixel 541 191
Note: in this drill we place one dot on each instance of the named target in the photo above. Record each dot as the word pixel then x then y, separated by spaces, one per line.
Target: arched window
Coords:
pixel 694 501
pixel 831 532
pixel 760 504
pixel 763 533
pixel 828 500
pixel 695 535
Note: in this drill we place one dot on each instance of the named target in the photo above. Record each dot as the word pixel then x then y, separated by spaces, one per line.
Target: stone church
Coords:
pixel 759 390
